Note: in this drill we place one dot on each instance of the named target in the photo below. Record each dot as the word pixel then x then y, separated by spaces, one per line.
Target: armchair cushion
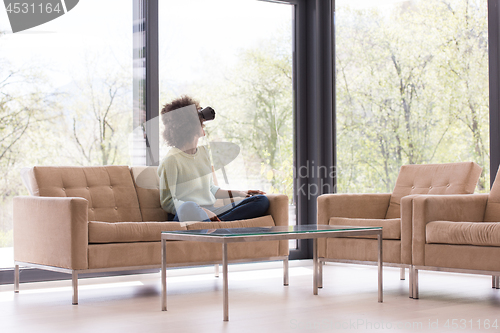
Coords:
pixel 463 233
pixel 448 178
pixel 391 228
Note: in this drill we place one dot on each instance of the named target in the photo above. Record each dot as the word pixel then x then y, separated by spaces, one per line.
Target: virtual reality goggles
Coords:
pixel 206 114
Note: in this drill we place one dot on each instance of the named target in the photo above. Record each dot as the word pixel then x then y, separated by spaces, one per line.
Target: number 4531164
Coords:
pixel 471 324
pixel 25 8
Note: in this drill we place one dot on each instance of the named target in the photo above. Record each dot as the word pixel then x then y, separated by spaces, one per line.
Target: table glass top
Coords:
pixel 292 229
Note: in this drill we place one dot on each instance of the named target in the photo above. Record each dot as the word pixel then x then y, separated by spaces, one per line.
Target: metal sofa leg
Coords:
pixel 402 273
pixel 493 281
pixel 216 270
pixel 497 282
pixel 415 283
pixel 410 289
pixel 74 276
pixel 16 279
pixel 320 274
pixel 285 272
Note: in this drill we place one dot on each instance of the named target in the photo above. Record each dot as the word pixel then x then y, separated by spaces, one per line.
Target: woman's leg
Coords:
pixel 190 211
pixel 248 208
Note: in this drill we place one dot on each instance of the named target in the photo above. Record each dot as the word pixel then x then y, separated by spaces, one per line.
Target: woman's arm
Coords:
pixel 167 173
pixel 225 194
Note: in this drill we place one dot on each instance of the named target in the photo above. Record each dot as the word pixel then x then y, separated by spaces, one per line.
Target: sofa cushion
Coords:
pixel 263 221
pixel 463 233
pixel 126 232
pixel 447 178
pixel 109 190
pixel 391 228
pixel 147 184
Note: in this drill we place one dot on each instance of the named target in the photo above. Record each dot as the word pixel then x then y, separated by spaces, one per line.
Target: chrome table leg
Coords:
pixel 380 254
pixel 163 275
pixel 285 271
pixel 320 273
pixel 224 282
pixel 315 266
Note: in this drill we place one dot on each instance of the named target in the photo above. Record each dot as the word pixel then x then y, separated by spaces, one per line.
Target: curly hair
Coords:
pixel 180 126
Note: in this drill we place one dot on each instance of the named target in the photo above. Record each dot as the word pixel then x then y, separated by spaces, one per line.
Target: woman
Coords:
pixel 187 189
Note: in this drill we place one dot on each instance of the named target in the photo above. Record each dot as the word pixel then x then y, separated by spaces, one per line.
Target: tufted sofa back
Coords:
pixel 147 184
pixel 109 190
pixel 447 178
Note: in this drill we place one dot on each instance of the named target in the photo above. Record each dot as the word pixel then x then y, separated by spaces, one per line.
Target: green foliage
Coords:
pixel 412 87
pixel 100 116
pixel 254 103
pixel 86 123
pixel 6 238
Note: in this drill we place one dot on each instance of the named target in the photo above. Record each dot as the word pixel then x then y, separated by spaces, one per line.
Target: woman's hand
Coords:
pixel 223 194
pixel 255 192
pixel 246 194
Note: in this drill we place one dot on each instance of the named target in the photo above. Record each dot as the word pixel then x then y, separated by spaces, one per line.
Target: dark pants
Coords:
pixel 247 208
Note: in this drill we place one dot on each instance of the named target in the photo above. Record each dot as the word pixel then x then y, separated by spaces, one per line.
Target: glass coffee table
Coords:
pixel 233 235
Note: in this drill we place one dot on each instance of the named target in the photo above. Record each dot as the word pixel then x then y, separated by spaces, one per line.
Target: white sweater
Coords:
pixel 186 177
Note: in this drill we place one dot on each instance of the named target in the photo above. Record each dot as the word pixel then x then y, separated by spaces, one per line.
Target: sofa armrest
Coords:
pixel 454 208
pixel 373 206
pixel 278 209
pixel 367 206
pixel 406 228
pixel 51 231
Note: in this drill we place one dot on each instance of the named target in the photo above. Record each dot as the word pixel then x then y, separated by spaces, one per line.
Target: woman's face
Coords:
pixel 202 130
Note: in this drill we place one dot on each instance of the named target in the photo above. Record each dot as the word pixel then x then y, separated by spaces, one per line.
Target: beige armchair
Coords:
pixel 457 234
pixel 385 210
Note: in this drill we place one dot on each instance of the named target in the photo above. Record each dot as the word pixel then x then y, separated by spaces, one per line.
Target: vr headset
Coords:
pixel 206 114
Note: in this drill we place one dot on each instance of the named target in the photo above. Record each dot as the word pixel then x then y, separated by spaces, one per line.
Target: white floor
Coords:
pixel 258 302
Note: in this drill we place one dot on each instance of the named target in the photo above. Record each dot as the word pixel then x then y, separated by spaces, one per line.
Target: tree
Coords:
pixel 25 109
pixel 101 116
pixel 254 101
pixel 407 81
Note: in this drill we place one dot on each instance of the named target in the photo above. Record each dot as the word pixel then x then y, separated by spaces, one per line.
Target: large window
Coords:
pixel 236 56
pixel 412 88
pixel 65 96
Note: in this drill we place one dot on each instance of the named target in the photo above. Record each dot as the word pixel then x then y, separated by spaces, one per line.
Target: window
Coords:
pixel 65 97
pixel 236 56
pixel 412 88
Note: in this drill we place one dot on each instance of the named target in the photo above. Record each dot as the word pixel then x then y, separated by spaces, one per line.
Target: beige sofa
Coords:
pixel 390 211
pixel 99 219
pixel 457 234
